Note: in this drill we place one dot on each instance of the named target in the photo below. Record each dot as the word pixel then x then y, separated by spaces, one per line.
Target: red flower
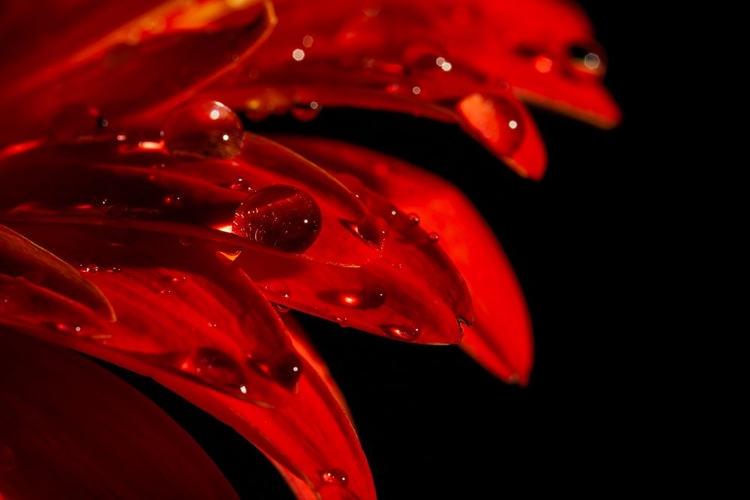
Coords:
pixel 145 224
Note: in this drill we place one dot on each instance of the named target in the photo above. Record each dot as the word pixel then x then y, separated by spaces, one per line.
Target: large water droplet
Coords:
pixel 496 119
pixel 214 368
pixel 76 121
pixel 373 230
pixel 203 129
pixel 402 332
pixel 279 216
pixel 285 368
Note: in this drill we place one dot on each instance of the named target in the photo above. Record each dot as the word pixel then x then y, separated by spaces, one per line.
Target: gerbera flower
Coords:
pixel 150 221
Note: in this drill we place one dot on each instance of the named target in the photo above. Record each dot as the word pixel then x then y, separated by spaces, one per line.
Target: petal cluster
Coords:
pixel 143 224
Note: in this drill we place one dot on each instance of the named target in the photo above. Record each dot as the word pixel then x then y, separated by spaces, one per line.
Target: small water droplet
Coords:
pixel 285 368
pixel 335 476
pixel 497 119
pixel 240 185
pixel 306 112
pixel 281 308
pixel 75 121
pixel 214 368
pixel 374 230
pixel 89 268
pixel 413 218
pixel 279 216
pixel 369 297
pixel 278 288
pixel 70 329
pixel 172 200
pixel 402 332
pixel 203 129
pixel 433 237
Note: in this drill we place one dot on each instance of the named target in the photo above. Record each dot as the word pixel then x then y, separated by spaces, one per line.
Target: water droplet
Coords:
pixel 433 237
pixel 374 230
pixel 370 297
pixel 89 268
pixel 335 476
pixel 413 218
pixel 203 129
pixel 402 332
pixel 240 185
pixel 172 200
pixel 279 216
pixel 75 121
pixel 306 112
pixel 281 308
pixel 278 288
pixel 285 368
pixel 497 119
pixel 214 368
pixel 70 329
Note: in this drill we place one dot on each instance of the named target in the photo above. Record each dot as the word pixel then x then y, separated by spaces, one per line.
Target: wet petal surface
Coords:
pixel 500 338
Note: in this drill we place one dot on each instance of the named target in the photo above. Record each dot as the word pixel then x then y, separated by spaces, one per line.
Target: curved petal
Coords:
pixel 71 429
pixel 122 78
pixel 217 342
pixel 400 286
pixel 500 339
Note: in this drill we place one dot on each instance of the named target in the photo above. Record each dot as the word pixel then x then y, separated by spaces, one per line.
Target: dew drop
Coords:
pixel 278 287
pixel 370 297
pixel 374 230
pixel 279 216
pixel 306 112
pixel 281 308
pixel 433 237
pixel 90 268
pixel 203 129
pixel 338 477
pixel 213 367
pixel 402 332
pixel 413 218
pixel 285 368
pixel 496 119
pixel 75 121
pixel 240 185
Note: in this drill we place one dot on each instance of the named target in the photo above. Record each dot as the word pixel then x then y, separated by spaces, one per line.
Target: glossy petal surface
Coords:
pixel 71 429
pixel 500 339
pixel 121 77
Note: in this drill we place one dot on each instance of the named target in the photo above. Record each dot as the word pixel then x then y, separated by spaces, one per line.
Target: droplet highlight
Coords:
pixel 370 297
pixel 402 332
pixel 335 476
pixel 203 129
pixel 279 216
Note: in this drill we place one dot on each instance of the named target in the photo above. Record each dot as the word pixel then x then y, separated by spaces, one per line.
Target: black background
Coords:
pixel 432 422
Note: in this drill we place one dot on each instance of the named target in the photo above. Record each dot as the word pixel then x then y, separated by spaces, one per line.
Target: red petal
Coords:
pixel 70 429
pixel 167 336
pixel 411 293
pixel 500 339
pixel 120 78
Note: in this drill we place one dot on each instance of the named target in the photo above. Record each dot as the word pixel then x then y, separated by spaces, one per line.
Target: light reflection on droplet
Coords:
pixel 298 54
